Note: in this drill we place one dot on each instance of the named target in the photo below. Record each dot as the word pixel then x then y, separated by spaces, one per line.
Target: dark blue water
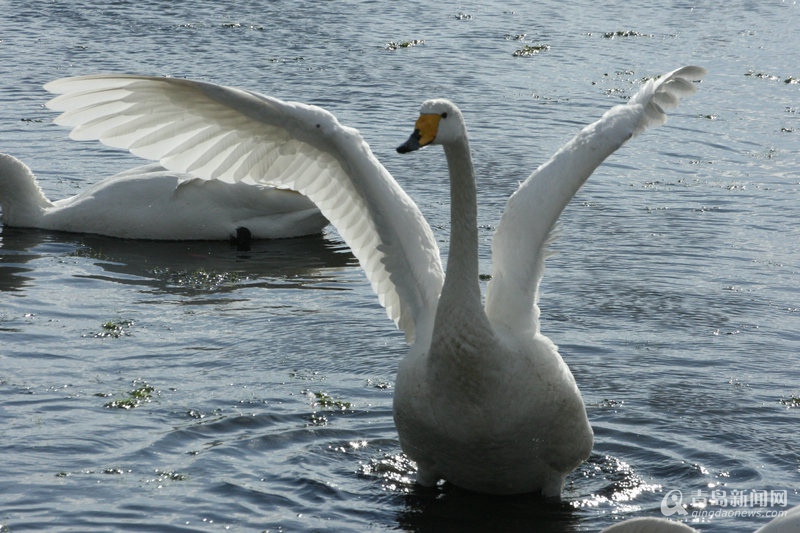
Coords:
pixel 258 384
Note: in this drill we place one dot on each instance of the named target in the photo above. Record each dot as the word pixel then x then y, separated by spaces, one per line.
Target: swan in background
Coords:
pixel 149 202
pixel 483 399
pixel 788 523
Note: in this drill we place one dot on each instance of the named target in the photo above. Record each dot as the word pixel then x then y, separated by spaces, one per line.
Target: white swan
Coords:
pixel 149 202
pixel 787 523
pixel 483 399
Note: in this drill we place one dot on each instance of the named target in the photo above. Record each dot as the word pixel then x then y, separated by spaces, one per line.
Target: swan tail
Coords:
pixel 21 198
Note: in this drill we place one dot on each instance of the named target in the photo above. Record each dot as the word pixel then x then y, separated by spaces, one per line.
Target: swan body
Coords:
pixel 483 399
pixel 149 202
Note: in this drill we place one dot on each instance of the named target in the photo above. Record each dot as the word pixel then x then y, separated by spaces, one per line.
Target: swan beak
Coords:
pixel 411 144
pixel 424 133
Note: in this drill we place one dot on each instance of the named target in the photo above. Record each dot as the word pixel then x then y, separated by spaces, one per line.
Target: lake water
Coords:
pixel 259 383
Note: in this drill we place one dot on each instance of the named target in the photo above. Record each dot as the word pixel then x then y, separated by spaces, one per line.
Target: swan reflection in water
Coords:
pixel 176 266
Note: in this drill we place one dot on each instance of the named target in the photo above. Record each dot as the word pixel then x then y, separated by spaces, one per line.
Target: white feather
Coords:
pixel 519 244
pixel 232 135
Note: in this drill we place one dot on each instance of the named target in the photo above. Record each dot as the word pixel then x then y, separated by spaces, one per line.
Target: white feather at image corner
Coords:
pixel 149 202
pixel 786 523
pixel 483 400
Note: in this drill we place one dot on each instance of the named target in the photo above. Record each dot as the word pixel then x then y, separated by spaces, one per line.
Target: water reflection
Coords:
pixel 16 249
pixel 458 510
pixel 174 266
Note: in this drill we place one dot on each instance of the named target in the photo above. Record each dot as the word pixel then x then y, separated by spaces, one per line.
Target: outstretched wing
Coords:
pixel 520 242
pixel 216 132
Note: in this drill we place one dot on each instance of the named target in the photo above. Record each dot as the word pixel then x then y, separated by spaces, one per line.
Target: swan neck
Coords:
pixel 461 290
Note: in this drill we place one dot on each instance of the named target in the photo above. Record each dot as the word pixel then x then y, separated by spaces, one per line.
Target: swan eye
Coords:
pixel 444 115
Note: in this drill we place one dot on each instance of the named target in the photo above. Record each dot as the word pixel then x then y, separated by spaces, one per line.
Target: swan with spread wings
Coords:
pixel 483 399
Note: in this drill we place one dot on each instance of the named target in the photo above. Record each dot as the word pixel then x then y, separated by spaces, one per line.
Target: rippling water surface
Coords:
pixel 196 387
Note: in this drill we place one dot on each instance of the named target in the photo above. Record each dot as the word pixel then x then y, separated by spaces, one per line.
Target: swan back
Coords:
pixel 149 202
pixel 649 525
pixel 787 523
pixel 21 198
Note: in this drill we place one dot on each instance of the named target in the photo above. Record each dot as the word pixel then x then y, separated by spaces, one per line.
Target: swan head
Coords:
pixel 439 122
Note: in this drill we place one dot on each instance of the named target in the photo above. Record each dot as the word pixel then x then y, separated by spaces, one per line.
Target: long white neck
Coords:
pixel 460 305
pixel 21 199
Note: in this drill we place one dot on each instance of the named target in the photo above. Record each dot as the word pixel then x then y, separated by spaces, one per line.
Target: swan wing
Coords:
pixel 230 134
pixel 520 241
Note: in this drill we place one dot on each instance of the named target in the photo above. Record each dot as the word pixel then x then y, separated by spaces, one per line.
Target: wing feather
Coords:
pixel 216 132
pixel 520 241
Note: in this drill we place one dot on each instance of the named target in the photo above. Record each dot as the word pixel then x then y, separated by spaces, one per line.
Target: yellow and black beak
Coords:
pixel 424 133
